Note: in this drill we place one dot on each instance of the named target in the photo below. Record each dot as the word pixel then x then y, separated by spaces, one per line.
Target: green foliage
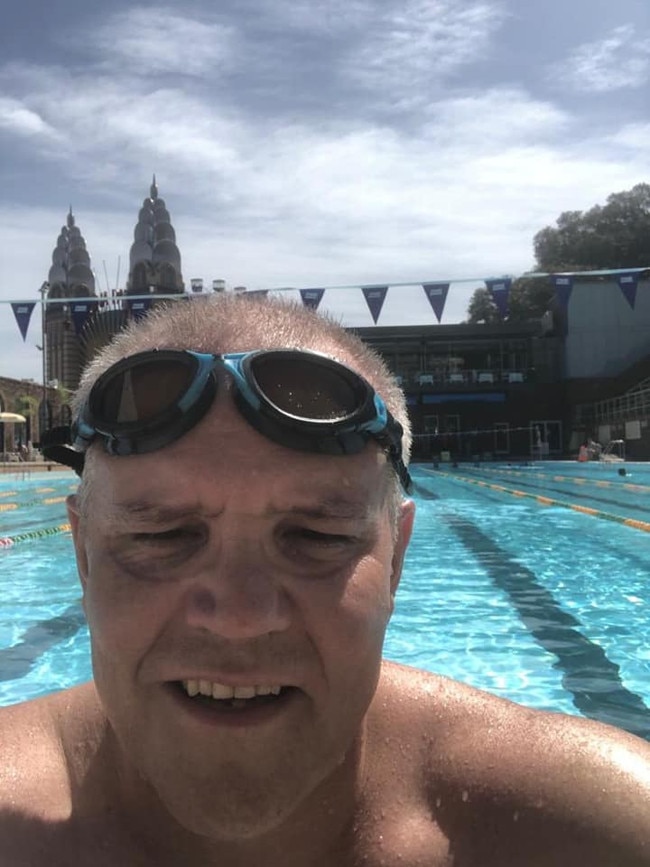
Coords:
pixel 481 309
pixel 27 405
pixel 614 235
pixel 529 299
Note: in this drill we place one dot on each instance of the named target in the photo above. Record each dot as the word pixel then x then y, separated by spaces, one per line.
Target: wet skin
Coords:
pixel 229 559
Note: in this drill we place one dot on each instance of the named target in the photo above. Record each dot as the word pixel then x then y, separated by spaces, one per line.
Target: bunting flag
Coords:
pixel 375 297
pixel 312 297
pixel 563 286
pixel 500 292
pixel 139 307
pixel 437 295
pixel 628 284
pixel 23 313
pixel 81 311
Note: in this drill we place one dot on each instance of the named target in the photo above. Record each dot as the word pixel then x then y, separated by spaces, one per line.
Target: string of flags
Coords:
pixel 81 309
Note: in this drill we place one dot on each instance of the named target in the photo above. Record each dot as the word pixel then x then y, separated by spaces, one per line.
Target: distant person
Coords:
pixel 240 529
pixel 594 449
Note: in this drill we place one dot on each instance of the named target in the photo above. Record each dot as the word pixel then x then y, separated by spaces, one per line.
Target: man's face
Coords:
pixel 226 561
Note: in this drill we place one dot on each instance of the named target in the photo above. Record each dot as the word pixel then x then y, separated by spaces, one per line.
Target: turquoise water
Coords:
pixel 538 603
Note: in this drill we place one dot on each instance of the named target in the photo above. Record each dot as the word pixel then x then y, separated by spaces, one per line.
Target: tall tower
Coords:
pixel 154 269
pixel 154 260
pixel 70 277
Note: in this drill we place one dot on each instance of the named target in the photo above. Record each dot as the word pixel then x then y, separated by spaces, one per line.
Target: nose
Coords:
pixel 238 595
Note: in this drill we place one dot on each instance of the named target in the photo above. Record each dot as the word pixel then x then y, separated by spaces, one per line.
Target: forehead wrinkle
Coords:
pixel 129 512
pixel 333 507
pixel 154 513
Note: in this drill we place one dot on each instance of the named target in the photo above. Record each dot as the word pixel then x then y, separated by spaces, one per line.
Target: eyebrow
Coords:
pixel 333 507
pixel 146 512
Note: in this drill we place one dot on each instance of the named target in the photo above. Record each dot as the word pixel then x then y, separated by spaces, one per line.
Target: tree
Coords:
pixel 615 235
pixel 529 299
pixel 482 310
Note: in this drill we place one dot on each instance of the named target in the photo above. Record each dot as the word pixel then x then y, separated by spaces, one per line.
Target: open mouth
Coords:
pixel 220 697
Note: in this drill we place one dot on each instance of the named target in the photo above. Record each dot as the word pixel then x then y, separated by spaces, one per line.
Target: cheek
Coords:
pixel 124 616
pixel 352 624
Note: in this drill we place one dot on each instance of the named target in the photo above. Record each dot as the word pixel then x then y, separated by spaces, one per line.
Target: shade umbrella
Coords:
pixel 11 417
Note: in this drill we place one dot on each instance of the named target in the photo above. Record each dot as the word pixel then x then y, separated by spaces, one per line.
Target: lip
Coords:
pixel 247 718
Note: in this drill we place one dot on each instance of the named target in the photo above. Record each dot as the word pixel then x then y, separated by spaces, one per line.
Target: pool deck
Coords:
pixel 14 468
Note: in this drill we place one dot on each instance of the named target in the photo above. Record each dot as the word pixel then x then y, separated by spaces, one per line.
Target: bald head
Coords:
pixel 237 323
pixel 229 323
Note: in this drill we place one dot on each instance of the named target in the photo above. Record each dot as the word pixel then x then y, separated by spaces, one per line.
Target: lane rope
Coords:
pixel 538 475
pixel 549 501
pixel 10 541
pixel 50 501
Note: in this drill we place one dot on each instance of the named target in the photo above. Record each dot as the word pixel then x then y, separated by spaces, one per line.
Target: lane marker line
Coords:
pixel 549 501
pixel 537 475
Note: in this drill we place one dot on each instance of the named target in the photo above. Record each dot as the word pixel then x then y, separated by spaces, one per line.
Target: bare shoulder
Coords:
pixel 37 752
pixel 572 785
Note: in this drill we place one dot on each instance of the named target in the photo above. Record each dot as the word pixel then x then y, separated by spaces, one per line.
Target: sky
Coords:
pixel 313 143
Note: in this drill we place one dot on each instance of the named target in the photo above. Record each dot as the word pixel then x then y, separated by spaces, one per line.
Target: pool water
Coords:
pixel 528 599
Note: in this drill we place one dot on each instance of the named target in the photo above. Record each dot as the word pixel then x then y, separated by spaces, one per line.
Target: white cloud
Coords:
pixel 335 193
pixel 413 47
pixel 620 60
pixel 19 119
pixel 631 135
pixel 324 18
pixel 158 40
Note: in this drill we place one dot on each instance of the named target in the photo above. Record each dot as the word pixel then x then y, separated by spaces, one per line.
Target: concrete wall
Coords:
pixel 605 335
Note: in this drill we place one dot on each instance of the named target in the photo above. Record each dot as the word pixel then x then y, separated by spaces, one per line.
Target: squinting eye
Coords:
pixel 319 540
pixel 178 534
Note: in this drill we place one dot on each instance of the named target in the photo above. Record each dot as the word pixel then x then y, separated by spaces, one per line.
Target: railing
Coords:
pixel 614 452
pixel 466 377
pixel 634 404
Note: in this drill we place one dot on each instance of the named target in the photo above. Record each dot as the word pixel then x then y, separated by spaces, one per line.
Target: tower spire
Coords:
pixel 154 258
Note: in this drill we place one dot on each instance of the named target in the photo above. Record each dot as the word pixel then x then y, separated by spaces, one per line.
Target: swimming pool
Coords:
pixel 522 580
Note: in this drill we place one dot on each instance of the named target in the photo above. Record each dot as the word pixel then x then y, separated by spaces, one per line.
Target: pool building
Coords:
pixel 505 390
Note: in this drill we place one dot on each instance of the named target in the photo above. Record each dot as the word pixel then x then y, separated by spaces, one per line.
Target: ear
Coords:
pixel 404 529
pixel 77 525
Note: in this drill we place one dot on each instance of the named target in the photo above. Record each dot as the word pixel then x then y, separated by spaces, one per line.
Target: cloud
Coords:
pixel 631 135
pixel 332 18
pixel 298 171
pixel 154 41
pixel 620 60
pixel 17 118
pixel 412 47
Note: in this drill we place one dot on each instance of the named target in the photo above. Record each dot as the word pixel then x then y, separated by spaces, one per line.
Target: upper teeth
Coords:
pixel 220 690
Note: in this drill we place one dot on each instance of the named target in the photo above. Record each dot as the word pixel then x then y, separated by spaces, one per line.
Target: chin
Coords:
pixel 234 806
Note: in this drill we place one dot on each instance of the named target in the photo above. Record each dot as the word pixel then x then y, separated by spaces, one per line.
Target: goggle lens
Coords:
pixel 142 392
pixel 305 388
pixel 297 398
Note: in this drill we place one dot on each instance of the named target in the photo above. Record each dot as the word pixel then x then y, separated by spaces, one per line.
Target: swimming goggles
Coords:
pixel 299 399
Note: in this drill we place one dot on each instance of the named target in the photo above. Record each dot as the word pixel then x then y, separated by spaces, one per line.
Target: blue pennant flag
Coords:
pixel 628 284
pixel 139 307
pixel 23 313
pixel 312 297
pixel 437 295
pixel 81 310
pixel 375 297
pixel 499 289
pixel 563 286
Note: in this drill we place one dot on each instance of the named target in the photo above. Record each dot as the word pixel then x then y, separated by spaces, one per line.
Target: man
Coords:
pixel 239 533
